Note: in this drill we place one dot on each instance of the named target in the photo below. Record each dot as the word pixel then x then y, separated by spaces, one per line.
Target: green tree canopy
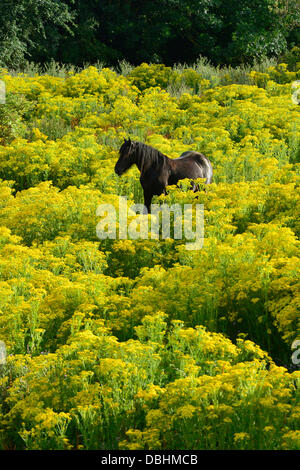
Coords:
pixel 29 27
pixel 168 31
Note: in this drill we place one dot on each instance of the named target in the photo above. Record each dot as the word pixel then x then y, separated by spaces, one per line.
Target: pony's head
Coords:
pixel 126 158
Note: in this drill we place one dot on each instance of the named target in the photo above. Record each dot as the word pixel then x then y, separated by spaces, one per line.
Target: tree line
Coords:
pixel 78 32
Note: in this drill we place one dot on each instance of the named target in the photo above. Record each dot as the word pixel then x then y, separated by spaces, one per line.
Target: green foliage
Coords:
pixel 12 111
pixel 292 58
pixel 159 31
pixel 155 75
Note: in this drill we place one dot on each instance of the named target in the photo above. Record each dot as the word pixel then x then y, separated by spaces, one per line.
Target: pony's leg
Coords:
pixel 147 203
pixel 205 187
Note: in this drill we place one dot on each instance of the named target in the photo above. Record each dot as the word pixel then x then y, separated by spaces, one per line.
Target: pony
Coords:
pixel 159 171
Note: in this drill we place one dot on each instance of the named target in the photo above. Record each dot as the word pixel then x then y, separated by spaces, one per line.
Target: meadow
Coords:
pixel 141 344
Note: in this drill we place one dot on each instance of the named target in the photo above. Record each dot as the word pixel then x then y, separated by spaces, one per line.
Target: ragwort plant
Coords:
pixel 142 344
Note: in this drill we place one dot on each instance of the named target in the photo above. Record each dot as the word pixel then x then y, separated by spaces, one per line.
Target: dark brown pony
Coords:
pixel 158 171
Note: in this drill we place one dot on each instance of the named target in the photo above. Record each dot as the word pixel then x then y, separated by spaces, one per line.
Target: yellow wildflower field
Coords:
pixel 140 343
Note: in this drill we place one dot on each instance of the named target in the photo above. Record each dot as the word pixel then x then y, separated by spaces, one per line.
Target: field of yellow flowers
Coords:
pixel 141 344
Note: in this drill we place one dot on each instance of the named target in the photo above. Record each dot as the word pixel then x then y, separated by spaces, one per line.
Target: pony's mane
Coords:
pixel 148 156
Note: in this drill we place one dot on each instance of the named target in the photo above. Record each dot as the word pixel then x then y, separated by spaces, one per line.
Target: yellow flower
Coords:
pixel 241 436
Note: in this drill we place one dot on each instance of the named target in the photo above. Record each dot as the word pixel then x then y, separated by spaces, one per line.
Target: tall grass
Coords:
pixel 216 74
pixel 226 75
